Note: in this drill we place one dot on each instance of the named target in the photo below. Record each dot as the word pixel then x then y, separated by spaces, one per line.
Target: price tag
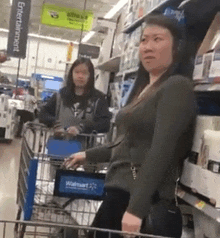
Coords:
pixel 200 205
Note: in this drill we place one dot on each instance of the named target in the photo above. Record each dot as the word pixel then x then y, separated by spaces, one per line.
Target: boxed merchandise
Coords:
pixel 3 118
pixel 129 19
pixel 204 123
pixel 4 102
pixel 210 148
pixel 136 8
pixel 207 60
pixel 135 57
pixel 202 181
pixel 198 68
pixel 215 66
pixel 115 89
pixel 126 90
pixel 122 62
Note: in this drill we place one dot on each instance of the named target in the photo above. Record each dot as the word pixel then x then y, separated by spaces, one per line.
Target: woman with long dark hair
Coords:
pixel 154 136
pixel 78 107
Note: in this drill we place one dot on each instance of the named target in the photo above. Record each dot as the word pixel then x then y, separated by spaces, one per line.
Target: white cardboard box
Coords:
pixel 202 180
pixel 3 118
pixel 215 65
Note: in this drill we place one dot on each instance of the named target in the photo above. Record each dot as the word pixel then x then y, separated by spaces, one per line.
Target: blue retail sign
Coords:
pixel 176 14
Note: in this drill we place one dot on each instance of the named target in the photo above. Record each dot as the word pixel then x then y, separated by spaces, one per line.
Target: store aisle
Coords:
pixel 9 164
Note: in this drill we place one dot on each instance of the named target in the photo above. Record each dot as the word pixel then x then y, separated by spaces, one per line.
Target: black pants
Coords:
pixel 25 116
pixel 164 220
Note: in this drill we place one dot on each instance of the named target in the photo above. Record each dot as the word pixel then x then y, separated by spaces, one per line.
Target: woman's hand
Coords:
pixel 75 160
pixel 131 223
pixel 73 130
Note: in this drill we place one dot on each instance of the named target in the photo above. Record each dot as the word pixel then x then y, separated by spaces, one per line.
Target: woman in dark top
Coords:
pixel 154 136
pixel 78 107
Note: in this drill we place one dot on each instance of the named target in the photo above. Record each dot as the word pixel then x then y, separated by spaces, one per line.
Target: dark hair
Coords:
pixel 182 63
pixel 90 85
pixel 68 92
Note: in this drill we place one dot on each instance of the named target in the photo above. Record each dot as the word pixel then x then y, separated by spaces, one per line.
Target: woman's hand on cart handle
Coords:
pixel 73 130
pixel 131 223
pixel 75 160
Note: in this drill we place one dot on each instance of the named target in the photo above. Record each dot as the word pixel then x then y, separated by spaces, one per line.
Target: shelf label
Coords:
pixel 66 17
pixel 200 205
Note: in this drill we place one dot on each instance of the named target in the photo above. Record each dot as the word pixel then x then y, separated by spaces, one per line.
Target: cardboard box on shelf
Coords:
pixel 4 102
pixel 3 118
pixel 215 66
pixel 198 68
pixel 207 61
pixel 202 181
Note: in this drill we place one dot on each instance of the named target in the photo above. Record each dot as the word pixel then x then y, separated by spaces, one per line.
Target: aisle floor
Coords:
pixel 9 165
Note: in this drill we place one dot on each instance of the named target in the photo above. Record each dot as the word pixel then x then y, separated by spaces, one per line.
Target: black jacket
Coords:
pixel 92 113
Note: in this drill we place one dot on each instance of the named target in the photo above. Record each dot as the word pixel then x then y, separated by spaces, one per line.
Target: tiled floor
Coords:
pixel 9 165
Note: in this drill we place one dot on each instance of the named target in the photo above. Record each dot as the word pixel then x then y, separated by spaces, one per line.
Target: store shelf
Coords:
pixel 129 71
pixel 158 8
pixel 111 65
pixel 197 203
pixel 207 87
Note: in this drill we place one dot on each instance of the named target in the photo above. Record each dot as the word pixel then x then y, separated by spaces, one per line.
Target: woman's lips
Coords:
pixel 149 57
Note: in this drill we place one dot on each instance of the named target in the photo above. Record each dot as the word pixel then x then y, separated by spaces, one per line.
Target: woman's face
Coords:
pixel 80 75
pixel 156 49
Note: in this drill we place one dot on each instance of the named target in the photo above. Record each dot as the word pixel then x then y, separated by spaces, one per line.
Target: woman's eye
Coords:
pixel 157 39
pixel 143 39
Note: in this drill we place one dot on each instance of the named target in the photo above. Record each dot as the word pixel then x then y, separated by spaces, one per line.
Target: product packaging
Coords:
pixel 214 73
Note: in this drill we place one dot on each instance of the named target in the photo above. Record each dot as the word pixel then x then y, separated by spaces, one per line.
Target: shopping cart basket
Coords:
pixel 35 195
pixel 48 230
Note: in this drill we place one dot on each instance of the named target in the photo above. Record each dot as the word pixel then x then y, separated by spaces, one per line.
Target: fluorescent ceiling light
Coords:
pixel 44 37
pixel 11 2
pixel 88 36
pixel 115 9
pixel 47 77
pixel 109 15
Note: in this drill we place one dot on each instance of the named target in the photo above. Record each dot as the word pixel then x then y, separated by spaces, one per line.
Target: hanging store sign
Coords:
pixel 89 51
pixel 69 51
pixel 66 17
pixel 18 29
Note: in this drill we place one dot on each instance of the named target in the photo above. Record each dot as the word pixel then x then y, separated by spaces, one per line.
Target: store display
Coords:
pixel 198 69
pixel 8 117
pixel 215 66
pixel 210 148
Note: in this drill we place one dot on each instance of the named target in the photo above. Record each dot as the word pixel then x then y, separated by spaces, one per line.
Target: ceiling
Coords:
pixel 98 7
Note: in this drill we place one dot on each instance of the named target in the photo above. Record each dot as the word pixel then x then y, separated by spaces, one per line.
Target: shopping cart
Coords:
pixel 41 194
pixel 52 230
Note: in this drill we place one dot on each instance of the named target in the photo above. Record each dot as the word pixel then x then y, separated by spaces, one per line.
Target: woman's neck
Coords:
pixel 79 91
pixel 154 76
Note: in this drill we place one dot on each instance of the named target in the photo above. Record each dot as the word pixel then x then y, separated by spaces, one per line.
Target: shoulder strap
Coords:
pixel 58 103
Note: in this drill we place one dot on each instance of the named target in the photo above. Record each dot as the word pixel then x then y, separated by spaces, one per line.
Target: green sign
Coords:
pixel 66 17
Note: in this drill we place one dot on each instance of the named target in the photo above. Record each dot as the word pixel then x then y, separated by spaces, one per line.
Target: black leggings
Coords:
pixel 165 218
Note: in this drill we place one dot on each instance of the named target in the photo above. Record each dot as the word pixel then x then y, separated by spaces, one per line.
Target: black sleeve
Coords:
pixel 47 113
pixel 175 112
pixel 101 120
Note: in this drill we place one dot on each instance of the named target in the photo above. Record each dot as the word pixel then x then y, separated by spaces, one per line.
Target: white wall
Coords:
pixel 50 54
pixel 48 50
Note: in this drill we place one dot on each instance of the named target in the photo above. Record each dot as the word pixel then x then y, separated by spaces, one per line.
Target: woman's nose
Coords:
pixel 148 46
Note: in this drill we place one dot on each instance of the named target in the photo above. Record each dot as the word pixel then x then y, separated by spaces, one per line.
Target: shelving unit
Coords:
pixel 112 65
pixel 158 8
pixel 199 204
pixel 207 87
pixel 129 71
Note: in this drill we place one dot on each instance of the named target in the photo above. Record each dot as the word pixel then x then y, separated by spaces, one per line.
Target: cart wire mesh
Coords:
pixel 36 181
pixel 29 229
